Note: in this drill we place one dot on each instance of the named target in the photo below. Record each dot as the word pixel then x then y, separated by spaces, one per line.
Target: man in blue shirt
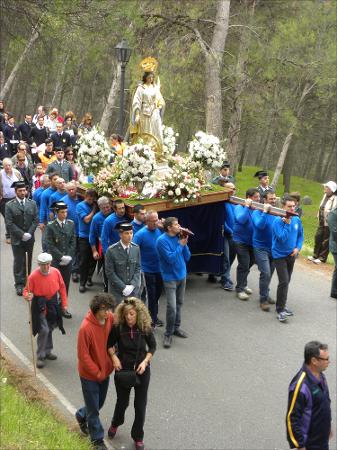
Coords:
pixel 138 218
pixel 229 247
pixel 243 239
pixel 286 245
pixel 71 200
pixel 262 242
pixel 45 183
pixel 110 234
pixel 86 211
pixel 146 238
pixel 60 192
pixel 44 212
pixel 173 254
pixel 95 234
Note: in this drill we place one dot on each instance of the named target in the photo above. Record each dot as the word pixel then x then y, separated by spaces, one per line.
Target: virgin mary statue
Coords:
pixel 148 107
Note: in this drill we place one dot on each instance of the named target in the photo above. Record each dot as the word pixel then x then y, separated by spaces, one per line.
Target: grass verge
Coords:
pixel 27 422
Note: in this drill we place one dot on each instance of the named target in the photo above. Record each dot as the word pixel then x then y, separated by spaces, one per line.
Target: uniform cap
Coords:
pixel 225 165
pixel 261 173
pixel 124 226
pixel 18 184
pixel 44 258
pixel 59 205
pixel 331 185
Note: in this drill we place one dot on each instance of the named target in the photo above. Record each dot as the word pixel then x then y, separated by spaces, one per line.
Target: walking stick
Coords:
pixel 29 304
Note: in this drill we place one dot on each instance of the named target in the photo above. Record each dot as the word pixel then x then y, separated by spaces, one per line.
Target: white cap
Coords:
pixel 331 185
pixel 44 258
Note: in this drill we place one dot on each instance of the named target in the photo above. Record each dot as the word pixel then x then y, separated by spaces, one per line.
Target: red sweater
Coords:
pixel 94 363
pixel 47 285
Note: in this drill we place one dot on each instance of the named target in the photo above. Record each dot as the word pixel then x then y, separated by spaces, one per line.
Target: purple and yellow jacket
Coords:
pixel 309 412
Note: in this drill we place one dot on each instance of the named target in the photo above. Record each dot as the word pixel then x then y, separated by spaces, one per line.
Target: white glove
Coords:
pixel 128 289
pixel 65 260
pixel 26 237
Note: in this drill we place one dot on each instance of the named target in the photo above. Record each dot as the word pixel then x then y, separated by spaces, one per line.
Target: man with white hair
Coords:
pixel 44 287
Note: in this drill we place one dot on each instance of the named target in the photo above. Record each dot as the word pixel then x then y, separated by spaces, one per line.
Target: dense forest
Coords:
pixel 259 74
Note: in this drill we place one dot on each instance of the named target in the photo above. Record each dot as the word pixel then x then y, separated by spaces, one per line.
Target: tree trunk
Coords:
pixel 10 80
pixel 240 85
pixel 111 101
pixel 92 91
pixel 214 63
pixel 279 167
pixel 60 78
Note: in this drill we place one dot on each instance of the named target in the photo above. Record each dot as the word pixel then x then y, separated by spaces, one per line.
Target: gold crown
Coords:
pixel 149 64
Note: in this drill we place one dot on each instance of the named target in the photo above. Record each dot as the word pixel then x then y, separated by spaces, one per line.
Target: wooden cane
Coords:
pixel 29 304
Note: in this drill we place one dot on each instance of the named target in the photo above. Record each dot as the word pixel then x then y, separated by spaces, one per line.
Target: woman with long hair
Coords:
pixel 136 344
pixel 86 123
pixel 69 156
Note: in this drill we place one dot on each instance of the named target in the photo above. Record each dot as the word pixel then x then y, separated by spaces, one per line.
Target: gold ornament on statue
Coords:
pixel 149 64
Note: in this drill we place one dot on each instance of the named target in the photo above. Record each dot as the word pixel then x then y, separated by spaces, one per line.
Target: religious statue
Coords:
pixel 148 108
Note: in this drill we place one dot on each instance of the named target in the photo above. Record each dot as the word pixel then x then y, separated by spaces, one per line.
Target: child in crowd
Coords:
pixel 36 179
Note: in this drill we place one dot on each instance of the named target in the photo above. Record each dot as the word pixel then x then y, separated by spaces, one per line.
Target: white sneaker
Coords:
pixel 317 261
pixel 242 296
pixel 311 258
pixel 248 290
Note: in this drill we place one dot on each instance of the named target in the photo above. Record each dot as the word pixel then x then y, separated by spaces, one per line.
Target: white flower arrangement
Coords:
pixel 180 186
pixel 206 150
pixel 94 151
pixel 138 164
pixel 108 180
pixel 169 141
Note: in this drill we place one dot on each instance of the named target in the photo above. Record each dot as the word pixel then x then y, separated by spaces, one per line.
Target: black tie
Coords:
pixel 22 203
pixel 62 225
pixel 127 251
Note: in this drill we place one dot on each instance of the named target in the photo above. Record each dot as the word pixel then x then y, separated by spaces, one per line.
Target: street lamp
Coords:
pixel 123 53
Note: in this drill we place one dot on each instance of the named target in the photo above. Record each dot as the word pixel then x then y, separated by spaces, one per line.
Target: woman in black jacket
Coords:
pixel 136 344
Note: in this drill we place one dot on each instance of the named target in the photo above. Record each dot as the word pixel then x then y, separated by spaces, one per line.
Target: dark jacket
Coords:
pixel 52 310
pixel 332 222
pixel 65 170
pixel 12 134
pixel 60 241
pixel 39 135
pixel 61 140
pixel 25 130
pixel 20 220
pixel 309 413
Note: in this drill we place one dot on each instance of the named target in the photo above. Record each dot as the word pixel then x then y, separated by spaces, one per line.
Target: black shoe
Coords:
pixel 89 282
pixel 99 445
pixel 40 363
pixel 51 357
pixel 159 323
pixel 75 277
pixel 66 314
pixel 82 289
pixel 180 333
pixel 167 342
pixel 19 291
pixel 211 279
pixel 82 424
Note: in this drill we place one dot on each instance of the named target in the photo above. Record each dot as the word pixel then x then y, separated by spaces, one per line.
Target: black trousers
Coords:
pixel 3 202
pixel 154 287
pixel 65 272
pixel 284 268
pixel 321 249
pixel 245 257
pixel 123 395
pixel 19 263
pixel 87 262
pixel 334 278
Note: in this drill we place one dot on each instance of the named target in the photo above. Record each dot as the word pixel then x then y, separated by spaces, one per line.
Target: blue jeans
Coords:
pixel 229 256
pixel 175 291
pixel 266 267
pixel 154 287
pixel 94 394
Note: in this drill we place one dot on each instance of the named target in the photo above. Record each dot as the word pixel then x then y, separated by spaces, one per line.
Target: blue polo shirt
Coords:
pixel 72 214
pixel 286 237
pixel 82 210
pixel 262 232
pixel 243 225
pixel 44 204
pixel 229 218
pixel 37 195
pixel 96 227
pixel 136 226
pixel 147 239
pixel 109 235
pixel 55 197
pixel 172 257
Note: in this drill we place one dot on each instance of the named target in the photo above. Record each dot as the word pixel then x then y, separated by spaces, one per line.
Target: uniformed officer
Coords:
pixel 122 265
pixel 61 242
pixel 21 217
pixel 224 176
pixel 263 186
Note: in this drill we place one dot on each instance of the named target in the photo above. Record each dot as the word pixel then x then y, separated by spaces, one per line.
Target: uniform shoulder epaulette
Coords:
pixel 11 201
pixel 134 245
pixel 71 221
pixel 114 245
pixel 50 222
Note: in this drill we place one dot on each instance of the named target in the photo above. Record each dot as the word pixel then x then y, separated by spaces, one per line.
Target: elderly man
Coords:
pixel 21 216
pixel 146 238
pixel 44 286
pixel 95 234
pixel 122 265
pixel 61 166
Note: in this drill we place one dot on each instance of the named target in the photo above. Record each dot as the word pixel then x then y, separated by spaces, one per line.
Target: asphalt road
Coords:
pixel 225 387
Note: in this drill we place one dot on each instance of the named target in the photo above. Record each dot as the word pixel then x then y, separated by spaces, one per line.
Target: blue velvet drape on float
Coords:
pixel 206 221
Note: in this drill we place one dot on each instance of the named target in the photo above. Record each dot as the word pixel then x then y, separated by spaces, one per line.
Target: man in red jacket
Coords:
pixel 94 366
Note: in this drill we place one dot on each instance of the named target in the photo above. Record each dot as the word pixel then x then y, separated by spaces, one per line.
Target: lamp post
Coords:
pixel 123 53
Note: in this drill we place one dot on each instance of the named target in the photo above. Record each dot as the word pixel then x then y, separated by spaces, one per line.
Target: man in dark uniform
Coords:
pixel 122 265
pixel 61 242
pixel 263 186
pixel 224 176
pixel 21 217
pixel 60 138
pixel 61 166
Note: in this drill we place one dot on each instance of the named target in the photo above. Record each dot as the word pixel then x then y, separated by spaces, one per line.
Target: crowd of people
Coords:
pixel 139 257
